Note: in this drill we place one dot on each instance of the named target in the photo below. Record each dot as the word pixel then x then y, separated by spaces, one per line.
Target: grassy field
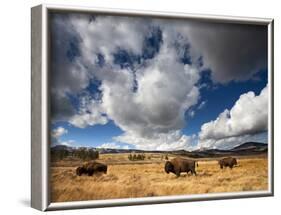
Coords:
pixel 126 179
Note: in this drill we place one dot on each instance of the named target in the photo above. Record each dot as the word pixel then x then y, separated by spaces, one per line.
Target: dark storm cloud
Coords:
pixel 67 76
pixel 233 52
pixel 61 108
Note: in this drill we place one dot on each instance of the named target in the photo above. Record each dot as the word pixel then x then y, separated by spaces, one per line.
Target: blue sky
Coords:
pixel 90 136
pixel 125 82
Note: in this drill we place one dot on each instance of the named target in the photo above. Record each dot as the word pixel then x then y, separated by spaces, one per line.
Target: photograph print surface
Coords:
pixel 147 106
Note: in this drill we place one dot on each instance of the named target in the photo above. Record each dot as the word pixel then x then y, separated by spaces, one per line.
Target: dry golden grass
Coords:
pixel 149 179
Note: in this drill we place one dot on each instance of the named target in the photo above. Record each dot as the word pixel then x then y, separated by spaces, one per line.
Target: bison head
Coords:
pixel 80 170
pixel 105 170
pixel 169 167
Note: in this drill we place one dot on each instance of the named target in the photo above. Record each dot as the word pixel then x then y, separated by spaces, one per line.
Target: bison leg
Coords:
pixel 221 166
pixel 193 172
pixel 177 171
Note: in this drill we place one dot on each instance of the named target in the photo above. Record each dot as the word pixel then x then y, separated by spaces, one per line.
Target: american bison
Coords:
pixel 178 165
pixel 227 162
pixel 91 168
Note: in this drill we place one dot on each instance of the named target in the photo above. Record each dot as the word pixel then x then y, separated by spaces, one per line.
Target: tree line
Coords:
pixel 81 153
pixel 134 157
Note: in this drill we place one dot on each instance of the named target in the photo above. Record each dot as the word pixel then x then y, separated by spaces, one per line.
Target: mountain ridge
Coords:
pixel 247 148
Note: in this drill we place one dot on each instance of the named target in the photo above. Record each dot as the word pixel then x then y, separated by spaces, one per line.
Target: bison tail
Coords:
pixel 197 164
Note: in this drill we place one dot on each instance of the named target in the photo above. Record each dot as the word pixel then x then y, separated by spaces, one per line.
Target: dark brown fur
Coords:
pixel 91 168
pixel 227 162
pixel 178 165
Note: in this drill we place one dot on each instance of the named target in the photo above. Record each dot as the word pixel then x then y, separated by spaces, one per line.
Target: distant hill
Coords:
pixel 251 146
pixel 61 147
pixel 248 148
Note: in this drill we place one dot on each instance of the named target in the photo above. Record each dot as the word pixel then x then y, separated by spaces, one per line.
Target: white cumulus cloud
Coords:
pixel 113 145
pixel 56 137
pixel 90 113
pixel 59 131
pixel 166 89
pixel 174 140
pixel 248 116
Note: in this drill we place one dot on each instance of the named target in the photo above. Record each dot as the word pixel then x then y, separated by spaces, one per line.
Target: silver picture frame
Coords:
pixel 40 135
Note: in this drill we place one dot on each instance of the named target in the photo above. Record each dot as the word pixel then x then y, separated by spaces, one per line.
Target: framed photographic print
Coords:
pixel 139 107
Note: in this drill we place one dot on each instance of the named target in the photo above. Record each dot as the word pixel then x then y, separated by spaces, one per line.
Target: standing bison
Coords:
pixel 91 168
pixel 178 165
pixel 227 162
